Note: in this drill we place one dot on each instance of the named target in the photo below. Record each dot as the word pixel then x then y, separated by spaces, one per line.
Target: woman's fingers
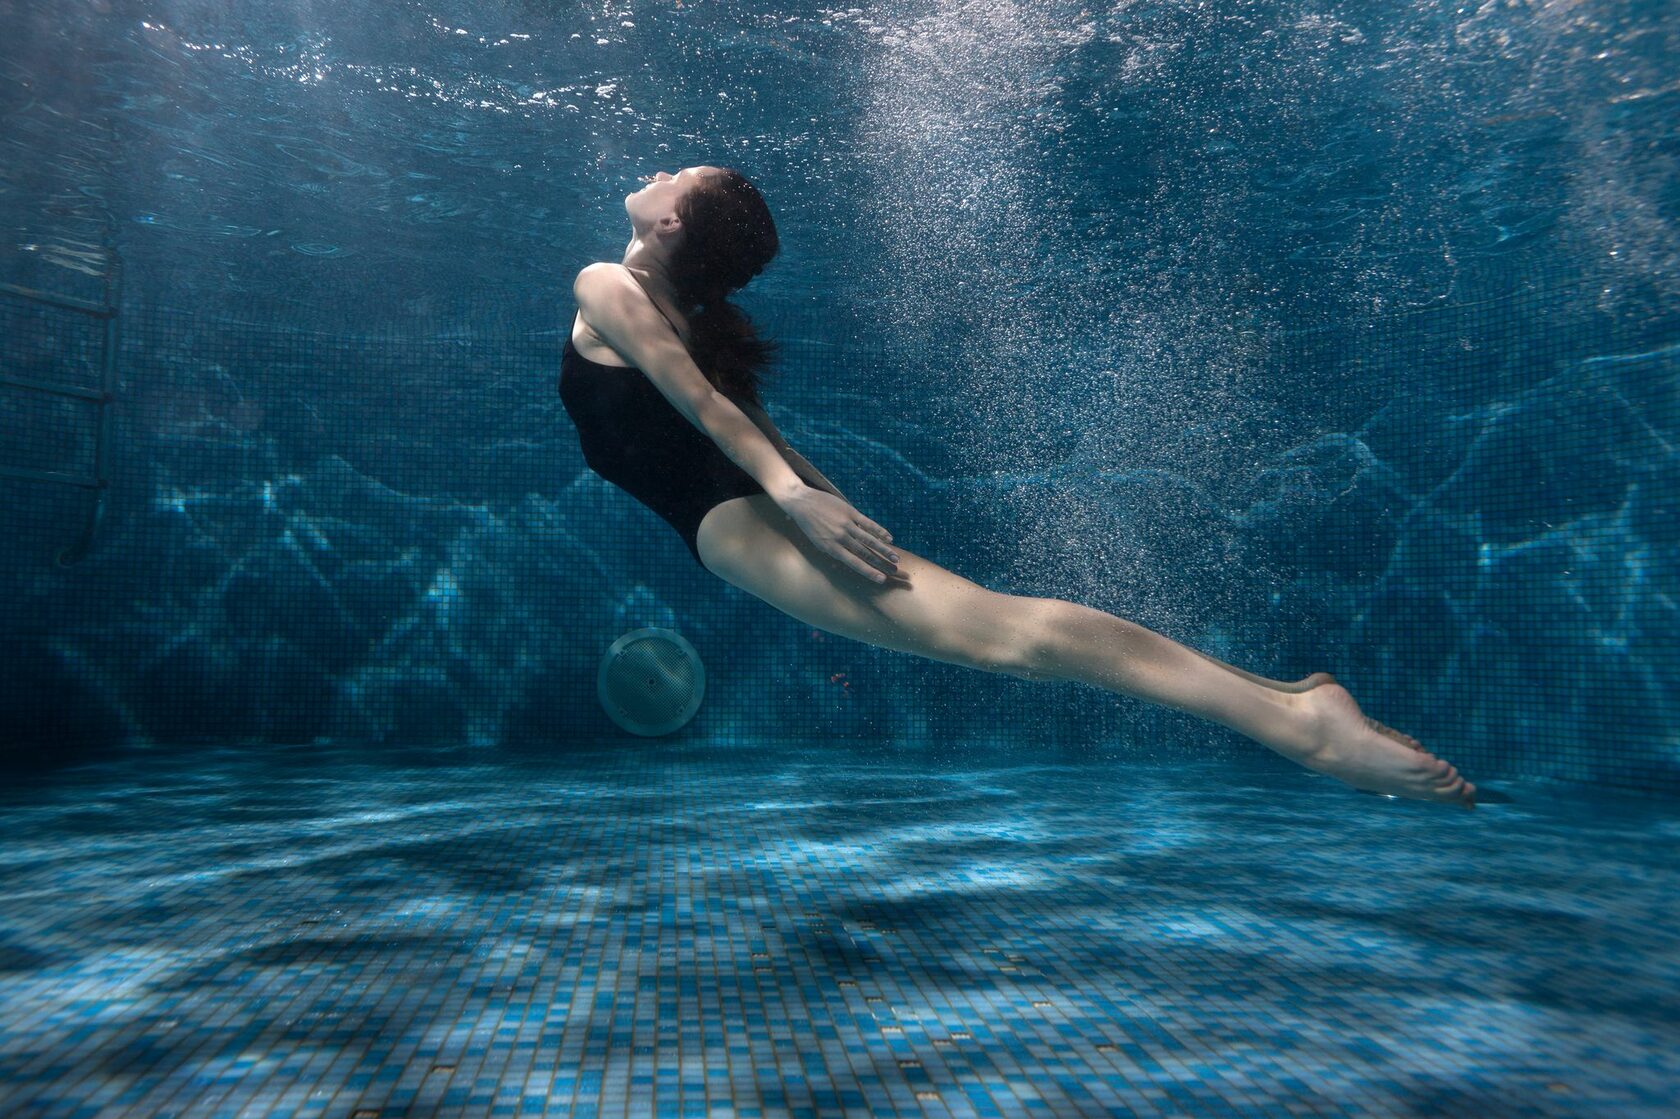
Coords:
pixel 865 565
pixel 874 551
pixel 852 561
pixel 860 560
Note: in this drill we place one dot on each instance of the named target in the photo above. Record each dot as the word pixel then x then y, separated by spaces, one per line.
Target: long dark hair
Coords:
pixel 728 238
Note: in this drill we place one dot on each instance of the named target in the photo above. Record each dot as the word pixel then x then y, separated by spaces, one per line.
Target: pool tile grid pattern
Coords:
pixel 654 930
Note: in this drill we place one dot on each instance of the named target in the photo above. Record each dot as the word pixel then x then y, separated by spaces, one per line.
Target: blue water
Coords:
pixel 1316 339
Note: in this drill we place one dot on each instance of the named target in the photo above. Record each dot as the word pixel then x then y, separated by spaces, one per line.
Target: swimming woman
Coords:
pixel 659 375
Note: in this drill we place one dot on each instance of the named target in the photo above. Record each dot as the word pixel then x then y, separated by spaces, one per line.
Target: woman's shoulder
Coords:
pixel 614 282
pixel 597 271
pixel 602 287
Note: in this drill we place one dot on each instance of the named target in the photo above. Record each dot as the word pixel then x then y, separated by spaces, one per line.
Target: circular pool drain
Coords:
pixel 651 681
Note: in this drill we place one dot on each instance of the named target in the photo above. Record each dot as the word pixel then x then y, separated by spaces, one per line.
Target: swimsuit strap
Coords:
pixel 658 308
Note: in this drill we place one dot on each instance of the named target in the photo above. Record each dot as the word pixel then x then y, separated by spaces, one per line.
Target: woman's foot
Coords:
pixel 1350 747
pixel 1320 678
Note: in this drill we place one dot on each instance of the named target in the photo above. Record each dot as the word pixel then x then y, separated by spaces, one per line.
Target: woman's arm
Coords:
pixel 809 474
pixel 616 307
pixel 620 311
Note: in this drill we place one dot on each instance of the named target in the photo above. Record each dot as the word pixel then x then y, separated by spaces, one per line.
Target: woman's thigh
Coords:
pixel 750 543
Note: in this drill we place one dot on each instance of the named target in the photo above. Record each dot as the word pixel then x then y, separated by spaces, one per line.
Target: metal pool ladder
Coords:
pixel 98 481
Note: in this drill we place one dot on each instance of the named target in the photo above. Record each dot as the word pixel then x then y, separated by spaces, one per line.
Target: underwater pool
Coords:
pixel 1314 337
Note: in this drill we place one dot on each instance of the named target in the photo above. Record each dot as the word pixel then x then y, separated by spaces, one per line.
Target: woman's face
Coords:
pixel 658 199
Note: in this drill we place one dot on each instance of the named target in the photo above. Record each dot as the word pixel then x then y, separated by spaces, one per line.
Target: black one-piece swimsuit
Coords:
pixel 637 440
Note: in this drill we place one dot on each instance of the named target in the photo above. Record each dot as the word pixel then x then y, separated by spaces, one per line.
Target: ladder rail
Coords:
pixel 99 481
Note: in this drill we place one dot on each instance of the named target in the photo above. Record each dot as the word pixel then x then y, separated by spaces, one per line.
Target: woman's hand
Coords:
pixel 840 530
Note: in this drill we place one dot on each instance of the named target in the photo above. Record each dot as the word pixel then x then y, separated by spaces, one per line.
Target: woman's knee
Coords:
pixel 1025 643
pixel 1041 638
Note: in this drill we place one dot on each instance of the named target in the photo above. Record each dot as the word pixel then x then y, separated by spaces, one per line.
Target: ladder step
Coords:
pixel 52 389
pixel 82 480
pixel 68 302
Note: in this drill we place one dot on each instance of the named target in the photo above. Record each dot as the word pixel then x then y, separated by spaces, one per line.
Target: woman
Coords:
pixel 660 376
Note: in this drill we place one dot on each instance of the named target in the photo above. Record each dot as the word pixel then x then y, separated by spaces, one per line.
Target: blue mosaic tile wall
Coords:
pixel 391 537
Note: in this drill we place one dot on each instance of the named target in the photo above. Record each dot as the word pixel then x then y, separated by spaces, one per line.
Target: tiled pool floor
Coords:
pixel 654 928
